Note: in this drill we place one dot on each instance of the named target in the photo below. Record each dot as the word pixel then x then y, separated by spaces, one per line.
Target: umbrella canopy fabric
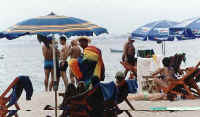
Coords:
pixel 155 31
pixel 188 29
pixel 53 24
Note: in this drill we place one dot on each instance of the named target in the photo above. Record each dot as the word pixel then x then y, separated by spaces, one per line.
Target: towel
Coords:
pixel 89 65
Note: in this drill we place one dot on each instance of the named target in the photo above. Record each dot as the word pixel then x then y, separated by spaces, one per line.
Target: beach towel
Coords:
pixel 93 55
pixel 88 66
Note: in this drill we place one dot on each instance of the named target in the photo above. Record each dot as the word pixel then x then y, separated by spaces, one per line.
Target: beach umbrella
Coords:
pixel 50 25
pixel 186 30
pixel 155 31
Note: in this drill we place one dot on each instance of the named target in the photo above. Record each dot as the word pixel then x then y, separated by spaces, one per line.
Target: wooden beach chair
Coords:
pixel 192 81
pixel 187 82
pixel 4 100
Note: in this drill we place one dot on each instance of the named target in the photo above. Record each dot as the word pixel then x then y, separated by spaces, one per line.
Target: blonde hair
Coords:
pixel 74 42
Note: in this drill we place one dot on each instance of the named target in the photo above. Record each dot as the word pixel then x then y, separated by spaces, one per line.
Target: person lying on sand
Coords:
pixel 153 97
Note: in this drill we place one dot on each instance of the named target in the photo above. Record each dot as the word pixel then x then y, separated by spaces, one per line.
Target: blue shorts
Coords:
pixel 48 64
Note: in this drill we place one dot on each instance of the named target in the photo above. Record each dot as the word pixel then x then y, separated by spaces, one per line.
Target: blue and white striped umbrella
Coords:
pixel 53 24
pixel 154 31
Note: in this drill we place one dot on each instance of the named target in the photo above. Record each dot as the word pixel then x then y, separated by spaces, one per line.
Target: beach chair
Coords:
pixel 182 86
pixel 100 101
pixel 4 100
pixel 193 80
pixel 8 99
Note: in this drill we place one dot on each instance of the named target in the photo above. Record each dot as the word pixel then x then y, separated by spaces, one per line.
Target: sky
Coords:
pixel 118 16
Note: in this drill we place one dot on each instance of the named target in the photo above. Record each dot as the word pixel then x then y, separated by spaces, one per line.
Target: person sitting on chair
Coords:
pixel 166 74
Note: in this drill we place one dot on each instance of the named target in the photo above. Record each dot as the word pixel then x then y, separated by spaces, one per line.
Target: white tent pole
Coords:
pixel 55 87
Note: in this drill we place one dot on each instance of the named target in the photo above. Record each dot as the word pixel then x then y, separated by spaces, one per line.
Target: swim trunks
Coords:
pixel 63 67
pixel 48 64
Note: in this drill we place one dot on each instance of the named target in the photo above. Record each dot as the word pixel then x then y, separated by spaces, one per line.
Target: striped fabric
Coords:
pixel 89 66
pixel 92 53
pixel 54 24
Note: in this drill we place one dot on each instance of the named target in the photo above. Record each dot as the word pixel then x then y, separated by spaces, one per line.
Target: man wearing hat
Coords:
pixel 129 53
pixel 90 64
pixel 84 41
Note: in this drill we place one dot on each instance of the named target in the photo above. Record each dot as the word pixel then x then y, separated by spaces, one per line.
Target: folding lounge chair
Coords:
pixel 192 81
pixel 19 83
pixel 184 81
pixel 4 100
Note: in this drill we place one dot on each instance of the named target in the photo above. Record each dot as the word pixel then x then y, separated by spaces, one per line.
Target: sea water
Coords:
pixel 24 57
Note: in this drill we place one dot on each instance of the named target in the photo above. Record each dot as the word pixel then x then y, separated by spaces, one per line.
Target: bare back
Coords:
pixel 47 52
pixel 75 52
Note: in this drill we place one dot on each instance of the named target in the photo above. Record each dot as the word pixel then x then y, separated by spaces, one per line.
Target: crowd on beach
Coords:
pixel 87 71
pixel 84 63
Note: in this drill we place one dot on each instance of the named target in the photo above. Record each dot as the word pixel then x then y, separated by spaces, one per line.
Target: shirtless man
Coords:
pixel 63 60
pixel 129 53
pixel 48 61
pixel 74 52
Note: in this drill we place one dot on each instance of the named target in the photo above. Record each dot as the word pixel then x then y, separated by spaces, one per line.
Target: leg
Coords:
pixel 51 82
pixel 72 77
pixel 46 81
pixel 160 84
pixel 64 77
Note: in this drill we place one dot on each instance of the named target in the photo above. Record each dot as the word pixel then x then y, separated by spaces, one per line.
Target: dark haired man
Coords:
pixel 63 60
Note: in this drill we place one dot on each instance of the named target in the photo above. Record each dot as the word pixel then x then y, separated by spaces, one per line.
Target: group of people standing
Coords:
pixel 66 51
pixel 85 63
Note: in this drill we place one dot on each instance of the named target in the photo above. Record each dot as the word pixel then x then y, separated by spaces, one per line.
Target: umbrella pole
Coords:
pixel 55 86
pixel 164 48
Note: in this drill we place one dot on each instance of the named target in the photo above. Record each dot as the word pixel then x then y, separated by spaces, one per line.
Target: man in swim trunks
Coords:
pixel 129 53
pixel 48 61
pixel 63 59
pixel 74 52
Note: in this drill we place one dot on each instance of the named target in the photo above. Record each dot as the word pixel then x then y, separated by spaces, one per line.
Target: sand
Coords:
pixel 40 100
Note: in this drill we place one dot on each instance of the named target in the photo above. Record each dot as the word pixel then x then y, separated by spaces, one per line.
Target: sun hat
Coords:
pixel 84 38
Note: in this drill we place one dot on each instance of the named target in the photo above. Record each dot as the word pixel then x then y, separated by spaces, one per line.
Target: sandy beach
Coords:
pixel 40 100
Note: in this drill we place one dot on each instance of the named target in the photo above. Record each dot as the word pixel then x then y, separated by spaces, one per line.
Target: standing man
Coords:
pixel 47 51
pixel 129 53
pixel 89 67
pixel 74 52
pixel 63 60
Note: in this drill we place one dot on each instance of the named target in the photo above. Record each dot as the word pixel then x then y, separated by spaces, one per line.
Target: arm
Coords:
pixel 124 52
pixel 160 70
pixel 69 53
pixel 44 51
